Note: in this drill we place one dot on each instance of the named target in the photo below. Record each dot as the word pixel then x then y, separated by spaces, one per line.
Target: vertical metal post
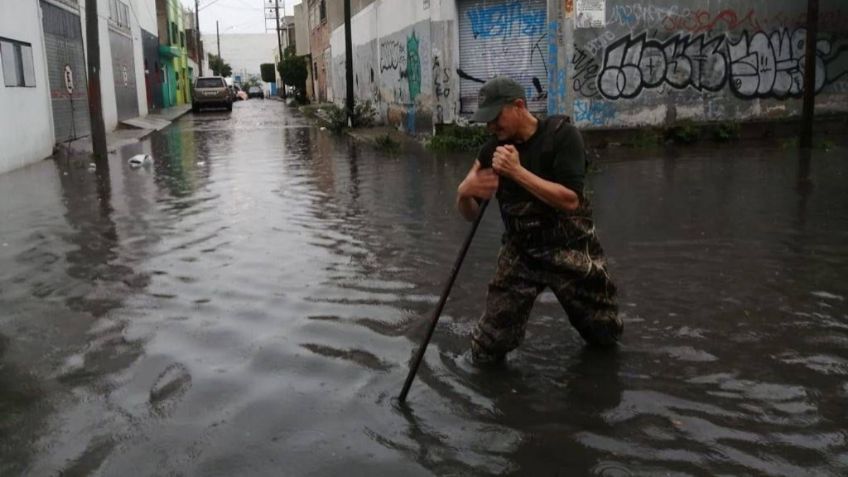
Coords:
pixel 348 64
pixel 95 105
pixel 197 53
pixel 280 46
pixel 218 37
pixel 806 141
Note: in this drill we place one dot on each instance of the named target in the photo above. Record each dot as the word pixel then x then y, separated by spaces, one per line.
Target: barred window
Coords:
pixel 119 13
pixel 16 59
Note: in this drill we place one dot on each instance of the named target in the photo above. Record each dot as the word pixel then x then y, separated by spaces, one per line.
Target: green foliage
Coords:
pixel 268 74
pixel 454 138
pixel 294 70
pixel 387 144
pixel 219 67
pixel 684 132
pixel 363 114
pixel 336 117
pixel 726 131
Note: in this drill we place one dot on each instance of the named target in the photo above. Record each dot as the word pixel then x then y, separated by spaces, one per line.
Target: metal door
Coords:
pixel 123 69
pixel 66 71
pixel 503 38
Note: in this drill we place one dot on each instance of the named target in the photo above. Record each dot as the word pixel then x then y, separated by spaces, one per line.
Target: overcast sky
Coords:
pixel 237 16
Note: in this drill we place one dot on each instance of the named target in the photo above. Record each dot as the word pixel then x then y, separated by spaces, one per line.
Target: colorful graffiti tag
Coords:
pixel 506 20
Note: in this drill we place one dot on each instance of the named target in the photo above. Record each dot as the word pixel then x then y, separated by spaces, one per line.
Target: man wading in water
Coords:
pixel 538 167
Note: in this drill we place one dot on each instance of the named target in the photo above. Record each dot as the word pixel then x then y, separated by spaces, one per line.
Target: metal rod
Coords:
pixel 806 140
pixel 457 264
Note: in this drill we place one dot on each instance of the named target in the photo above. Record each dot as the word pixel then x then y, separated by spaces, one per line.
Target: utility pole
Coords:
pixel 197 38
pixel 348 64
pixel 280 47
pixel 218 36
pixel 95 106
pixel 806 141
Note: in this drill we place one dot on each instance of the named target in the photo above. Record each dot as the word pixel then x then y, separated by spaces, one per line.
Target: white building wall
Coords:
pixel 136 9
pixel 26 122
pixel 398 46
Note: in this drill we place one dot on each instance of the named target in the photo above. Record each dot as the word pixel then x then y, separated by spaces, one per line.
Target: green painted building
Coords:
pixel 175 76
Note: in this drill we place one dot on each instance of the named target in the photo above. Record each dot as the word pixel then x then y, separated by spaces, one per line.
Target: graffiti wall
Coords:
pixel 504 38
pixel 657 62
pixel 403 62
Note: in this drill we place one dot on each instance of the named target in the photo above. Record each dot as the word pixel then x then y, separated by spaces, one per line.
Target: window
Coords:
pixel 119 13
pixel 174 36
pixel 323 11
pixel 182 39
pixel 16 58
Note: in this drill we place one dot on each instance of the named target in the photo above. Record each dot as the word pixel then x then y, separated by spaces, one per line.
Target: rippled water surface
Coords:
pixel 249 304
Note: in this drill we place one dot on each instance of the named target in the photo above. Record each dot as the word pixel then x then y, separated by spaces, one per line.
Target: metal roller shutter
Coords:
pixel 66 71
pixel 503 38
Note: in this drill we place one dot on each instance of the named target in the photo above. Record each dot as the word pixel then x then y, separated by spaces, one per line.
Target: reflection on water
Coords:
pixel 249 304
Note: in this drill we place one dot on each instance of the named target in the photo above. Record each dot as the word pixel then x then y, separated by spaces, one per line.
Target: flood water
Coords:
pixel 250 302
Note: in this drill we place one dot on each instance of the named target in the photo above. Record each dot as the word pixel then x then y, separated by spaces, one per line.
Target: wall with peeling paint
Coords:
pixel 403 62
pixel 639 63
pixel 663 61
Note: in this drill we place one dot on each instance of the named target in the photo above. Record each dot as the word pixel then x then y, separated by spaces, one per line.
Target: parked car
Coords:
pixel 255 92
pixel 211 91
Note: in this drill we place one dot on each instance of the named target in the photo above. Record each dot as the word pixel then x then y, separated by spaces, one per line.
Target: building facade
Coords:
pixel 26 126
pixel 318 26
pixel 173 59
pixel 605 63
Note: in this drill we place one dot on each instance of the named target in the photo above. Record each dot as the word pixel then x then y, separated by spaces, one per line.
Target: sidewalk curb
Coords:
pixel 135 133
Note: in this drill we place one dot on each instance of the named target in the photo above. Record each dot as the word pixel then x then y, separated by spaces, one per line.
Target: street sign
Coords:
pixel 69 79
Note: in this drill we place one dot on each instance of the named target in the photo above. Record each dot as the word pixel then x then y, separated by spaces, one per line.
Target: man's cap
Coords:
pixel 494 95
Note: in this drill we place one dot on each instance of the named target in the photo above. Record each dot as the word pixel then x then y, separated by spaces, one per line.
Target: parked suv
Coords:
pixel 211 91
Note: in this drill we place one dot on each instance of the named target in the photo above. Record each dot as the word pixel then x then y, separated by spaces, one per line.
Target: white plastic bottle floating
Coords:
pixel 139 160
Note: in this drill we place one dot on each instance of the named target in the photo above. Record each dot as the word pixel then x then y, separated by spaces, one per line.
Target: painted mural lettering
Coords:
pixel 756 65
pixel 700 21
pixel 597 44
pixel 506 20
pixel 638 15
pixel 441 79
pixel 413 66
pixel 595 113
pixel 392 55
pixel 584 73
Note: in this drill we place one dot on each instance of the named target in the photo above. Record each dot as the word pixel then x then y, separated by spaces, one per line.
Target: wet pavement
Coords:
pixel 248 304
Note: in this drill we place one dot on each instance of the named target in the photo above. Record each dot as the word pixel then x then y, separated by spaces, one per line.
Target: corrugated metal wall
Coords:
pixel 503 37
pixel 63 43
pixel 123 67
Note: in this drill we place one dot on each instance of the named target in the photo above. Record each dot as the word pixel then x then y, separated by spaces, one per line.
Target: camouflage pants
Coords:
pixel 578 279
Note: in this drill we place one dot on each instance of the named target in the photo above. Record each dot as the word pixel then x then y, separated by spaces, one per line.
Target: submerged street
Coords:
pixel 248 304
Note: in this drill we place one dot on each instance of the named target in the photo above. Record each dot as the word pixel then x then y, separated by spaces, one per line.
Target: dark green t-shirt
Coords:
pixel 554 152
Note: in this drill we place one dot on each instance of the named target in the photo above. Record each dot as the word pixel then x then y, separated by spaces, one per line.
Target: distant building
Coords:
pixel 173 55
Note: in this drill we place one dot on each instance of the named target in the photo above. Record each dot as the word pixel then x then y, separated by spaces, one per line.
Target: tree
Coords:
pixel 267 70
pixel 294 69
pixel 219 67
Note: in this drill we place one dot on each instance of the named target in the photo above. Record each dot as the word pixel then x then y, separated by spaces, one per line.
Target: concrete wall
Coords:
pixel 26 124
pixel 301 30
pixel 403 55
pixel 662 61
